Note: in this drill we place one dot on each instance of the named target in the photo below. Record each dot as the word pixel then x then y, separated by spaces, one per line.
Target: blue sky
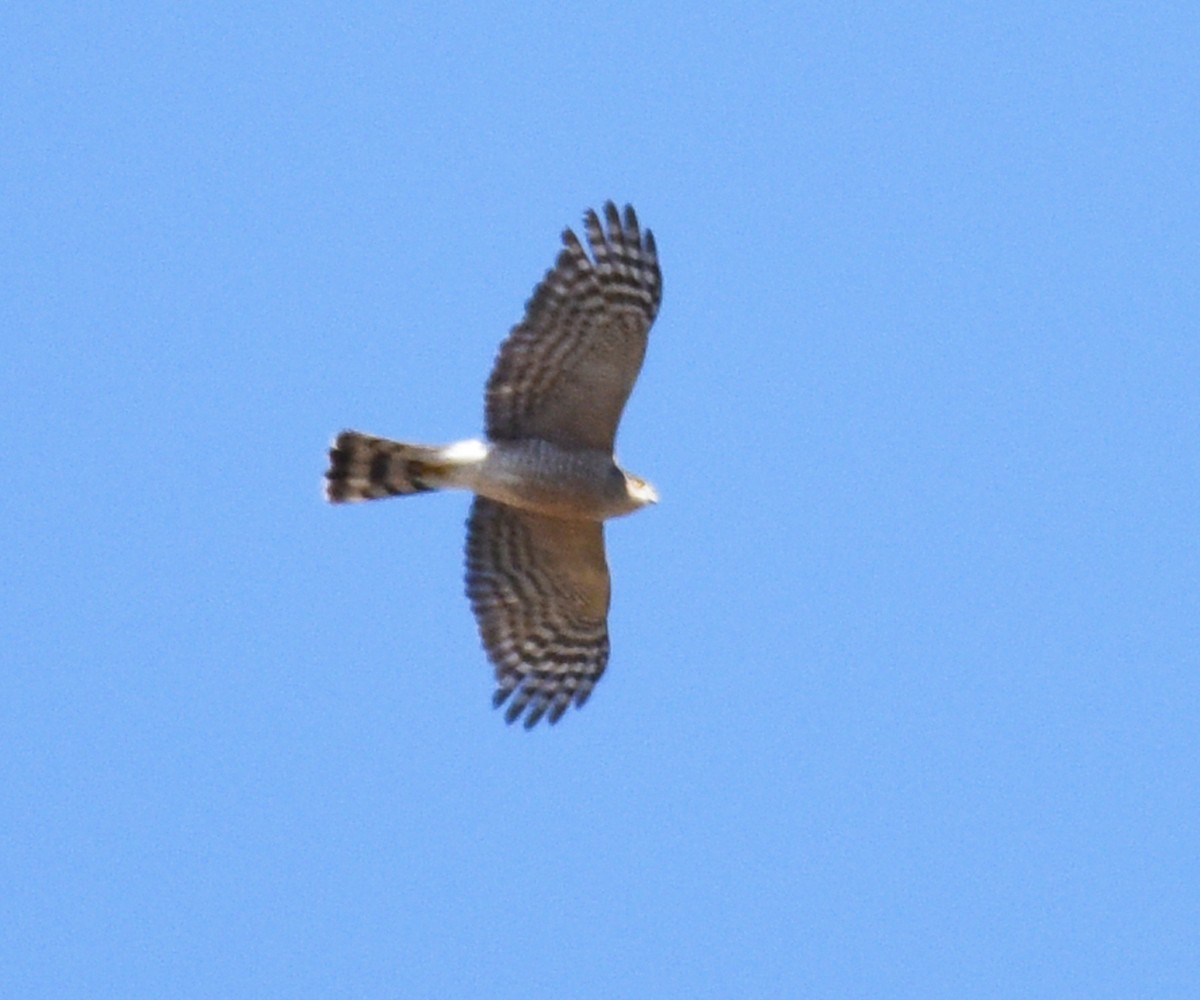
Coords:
pixel 904 693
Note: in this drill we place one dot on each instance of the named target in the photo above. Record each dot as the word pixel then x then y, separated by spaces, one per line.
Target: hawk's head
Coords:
pixel 639 491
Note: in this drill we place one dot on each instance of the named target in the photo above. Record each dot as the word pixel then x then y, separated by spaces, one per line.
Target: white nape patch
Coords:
pixel 465 452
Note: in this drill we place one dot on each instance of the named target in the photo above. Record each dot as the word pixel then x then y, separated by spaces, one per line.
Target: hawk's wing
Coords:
pixel 566 370
pixel 539 588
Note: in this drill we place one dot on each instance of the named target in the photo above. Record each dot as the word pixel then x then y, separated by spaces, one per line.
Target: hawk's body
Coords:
pixel 545 480
pixel 533 475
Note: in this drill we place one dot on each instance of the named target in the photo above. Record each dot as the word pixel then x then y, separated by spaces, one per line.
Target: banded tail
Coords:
pixel 362 467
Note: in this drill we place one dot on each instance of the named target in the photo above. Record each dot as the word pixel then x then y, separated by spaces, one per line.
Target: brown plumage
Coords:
pixel 545 479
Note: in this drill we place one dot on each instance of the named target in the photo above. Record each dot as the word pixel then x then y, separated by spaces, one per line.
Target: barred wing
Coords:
pixel 539 587
pixel 566 370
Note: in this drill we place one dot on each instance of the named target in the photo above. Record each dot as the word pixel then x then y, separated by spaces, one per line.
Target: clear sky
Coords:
pixel 904 696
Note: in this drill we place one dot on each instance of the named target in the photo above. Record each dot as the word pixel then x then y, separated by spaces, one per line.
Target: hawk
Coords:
pixel 545 479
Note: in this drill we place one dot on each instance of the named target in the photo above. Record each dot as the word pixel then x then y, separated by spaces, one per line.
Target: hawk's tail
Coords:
pixel 362 467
